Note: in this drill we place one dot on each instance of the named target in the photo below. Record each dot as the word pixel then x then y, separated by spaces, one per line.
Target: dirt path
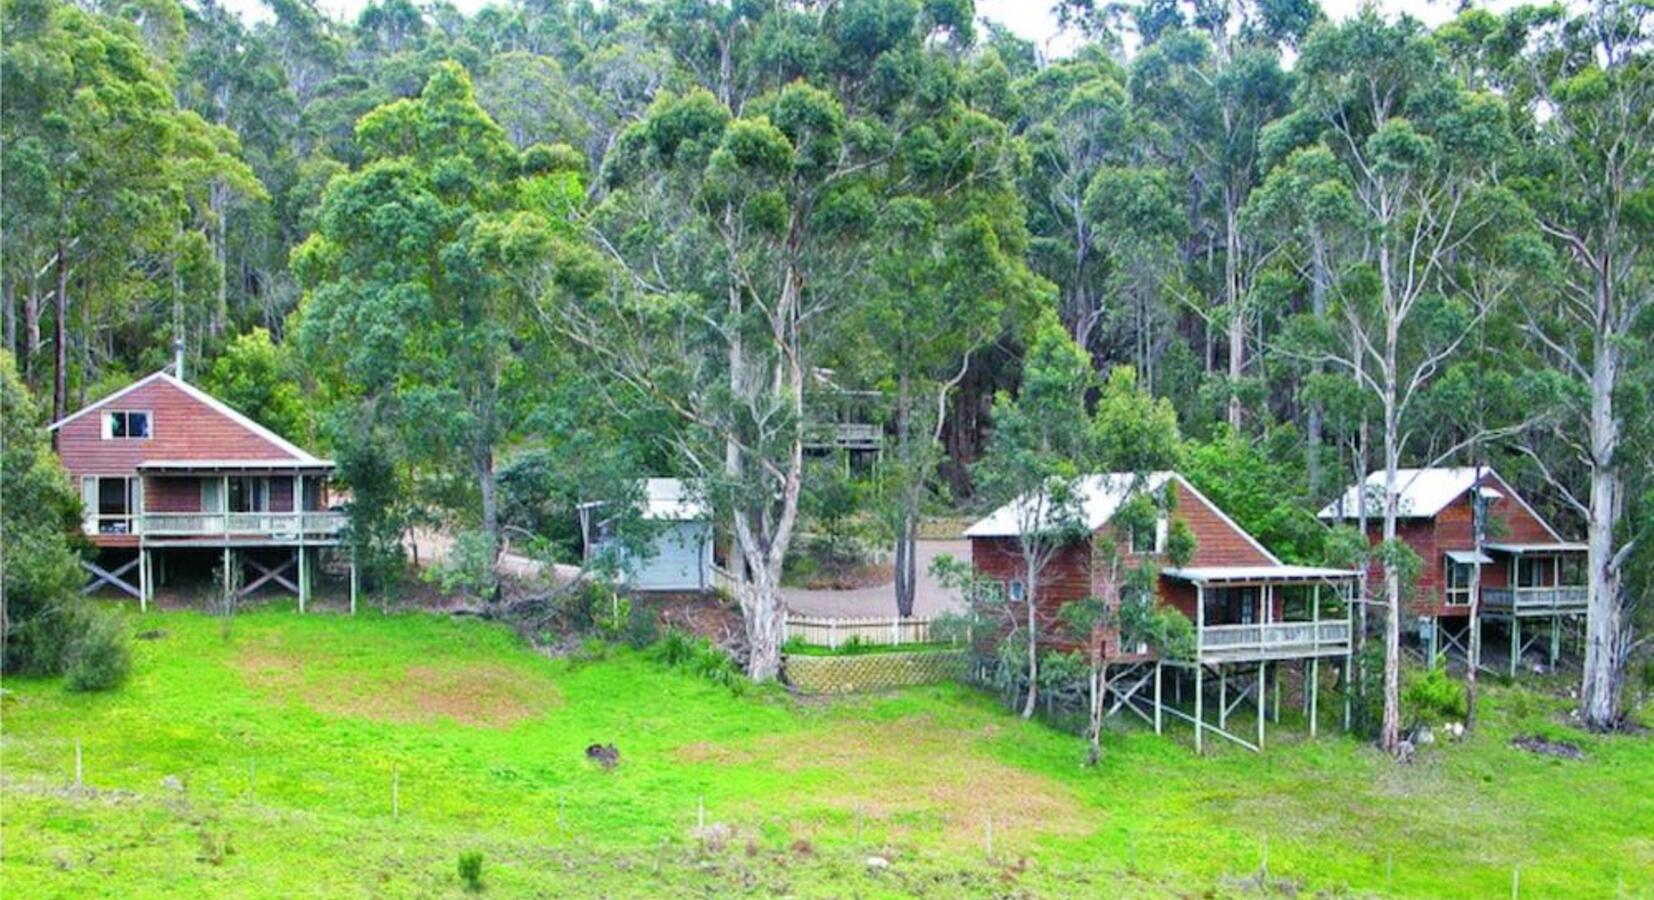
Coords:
pixel 880 600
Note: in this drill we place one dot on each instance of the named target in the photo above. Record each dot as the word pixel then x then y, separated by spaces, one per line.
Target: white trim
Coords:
pixel 108 433
pixel 195 393
pixel 1531 511
pixel 1226 520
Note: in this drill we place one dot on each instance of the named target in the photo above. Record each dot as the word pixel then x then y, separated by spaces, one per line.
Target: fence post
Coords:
pixel 896 632
pixel 832 633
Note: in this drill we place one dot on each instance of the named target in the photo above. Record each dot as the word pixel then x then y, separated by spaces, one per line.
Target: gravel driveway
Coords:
pixel 880 600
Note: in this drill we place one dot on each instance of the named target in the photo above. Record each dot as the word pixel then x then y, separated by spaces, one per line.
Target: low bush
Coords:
pixel 696 655
pixel 1434 695
pixel 470 869
pixel 642 628
pixel 99 656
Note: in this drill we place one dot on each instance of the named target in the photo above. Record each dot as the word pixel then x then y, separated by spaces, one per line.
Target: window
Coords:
pixel 1531 571
pixel 1458 583
pixel 249 494
pixel 1016 590
pixel 125 425
pixel 1149 538
pixel 111 502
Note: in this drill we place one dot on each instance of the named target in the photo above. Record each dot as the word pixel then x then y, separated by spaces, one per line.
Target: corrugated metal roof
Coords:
pixel 672 500
pixel 1555 547
pixel 1100 497
pixel 1469 557
pixel 1208 574
pixel 1420 493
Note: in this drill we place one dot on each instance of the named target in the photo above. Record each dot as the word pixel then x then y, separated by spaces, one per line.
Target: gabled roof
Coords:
pixel 1421 493
pixel 1424 493
pixel 672 500
pixel 217 405
pixel 1101 496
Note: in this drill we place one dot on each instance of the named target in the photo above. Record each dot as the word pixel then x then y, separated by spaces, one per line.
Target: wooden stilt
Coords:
pixel 1314 692
pixel 304 578
pixel 1157 729
pixel 353 584
pixel 1263 676
pixel 1515 642
pixel 226 571
pixel 1435 625
pixel 1200 720
pixel 1556 639
pixel 1223 698
pixel 1277 715
pixel 143 580
pixel 1349 683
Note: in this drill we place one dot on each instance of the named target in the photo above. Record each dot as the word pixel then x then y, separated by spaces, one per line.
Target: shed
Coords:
pixel 680 546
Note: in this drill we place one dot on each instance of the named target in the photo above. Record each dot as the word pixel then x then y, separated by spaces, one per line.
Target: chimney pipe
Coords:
pixel 178 358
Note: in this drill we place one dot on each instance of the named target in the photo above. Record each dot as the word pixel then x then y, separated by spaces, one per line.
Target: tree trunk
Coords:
pixel 763 613
pixel 1099 695
pixel 1603 678
pixel 60 337
pixel 907 532
pixel 1031 592
pixel 1237 316
pixel 1390 731
pixel 1318 306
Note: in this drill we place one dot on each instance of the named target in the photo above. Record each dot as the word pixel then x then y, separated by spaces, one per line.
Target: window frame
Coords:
pixel 1456 593
pixel 106 421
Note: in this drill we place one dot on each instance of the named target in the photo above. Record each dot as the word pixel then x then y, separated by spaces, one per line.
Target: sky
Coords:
pixel 1031 19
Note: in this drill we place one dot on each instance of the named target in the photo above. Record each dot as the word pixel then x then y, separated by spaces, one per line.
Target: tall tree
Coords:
pixel 1036 456
pixel 1586 93
pixel 420 279
pixel 1415 150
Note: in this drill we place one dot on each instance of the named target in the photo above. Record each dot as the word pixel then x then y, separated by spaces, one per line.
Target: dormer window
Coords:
pixel 1148 539
pixel 125 425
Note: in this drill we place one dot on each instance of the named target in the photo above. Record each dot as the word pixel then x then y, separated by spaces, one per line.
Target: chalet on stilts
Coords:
pixel 1253 615
pixel 178 486
pixel 1527 572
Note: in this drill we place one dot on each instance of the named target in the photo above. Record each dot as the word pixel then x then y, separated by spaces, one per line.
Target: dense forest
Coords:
pixel 497 264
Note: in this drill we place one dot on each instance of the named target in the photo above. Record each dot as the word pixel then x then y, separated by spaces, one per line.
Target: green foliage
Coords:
pixel 1433 695
pixel 261 379
pixel 470 869
pixel 1133 431
pixel 697 656
pixel 42 575
pixel 1260 484
pixel 99 656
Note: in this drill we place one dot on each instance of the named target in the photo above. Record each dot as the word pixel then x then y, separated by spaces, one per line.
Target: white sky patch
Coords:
pixel 1032 19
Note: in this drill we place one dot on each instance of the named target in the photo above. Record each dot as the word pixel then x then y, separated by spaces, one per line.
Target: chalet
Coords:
pixel 175 480
pixel 1525 569
pixel 679 556
pixel 1249 609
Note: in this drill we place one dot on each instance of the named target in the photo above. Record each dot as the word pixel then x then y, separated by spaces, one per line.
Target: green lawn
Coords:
pixel 285 737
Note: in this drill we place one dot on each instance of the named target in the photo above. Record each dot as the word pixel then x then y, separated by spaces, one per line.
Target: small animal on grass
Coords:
pixel 604 755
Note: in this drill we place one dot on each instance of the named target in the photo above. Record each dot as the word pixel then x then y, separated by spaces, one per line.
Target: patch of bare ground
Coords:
pixel 482 695
pixel 913 770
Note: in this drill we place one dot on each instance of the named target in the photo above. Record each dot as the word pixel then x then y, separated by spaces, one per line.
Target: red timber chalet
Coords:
pixel 1252 613
pixel 1522 567
pixel 178 487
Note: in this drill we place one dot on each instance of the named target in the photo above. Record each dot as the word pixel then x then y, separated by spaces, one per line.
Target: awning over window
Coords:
pixel 1469 557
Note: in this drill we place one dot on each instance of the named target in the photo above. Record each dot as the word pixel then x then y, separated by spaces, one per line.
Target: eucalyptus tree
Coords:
pixel 105 162
pixel 947 277
pixel 420 278
pixel 1585 92
pixel 1039 450
pixel 734 230
pixel 1415 149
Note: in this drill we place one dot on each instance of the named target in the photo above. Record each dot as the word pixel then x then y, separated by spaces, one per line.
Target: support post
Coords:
pixel 1263 676
pixel 1223 698
pixel 143 580
pixel 1556 639
pixel 1277 695
pixel 1314 692
pixel 1349 684
pixel 1515 640
pixel 1200 720
pixel 226 570
pixel 1157 729
pixel 1435 624
pixel 304 578
pixel 353 583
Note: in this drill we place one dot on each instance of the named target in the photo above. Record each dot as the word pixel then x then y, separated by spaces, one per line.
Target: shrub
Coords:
pixel 99 655
pixel 696 655
pixel 1435 695
pixel 642 629
pixel 675 648
pixel 470 869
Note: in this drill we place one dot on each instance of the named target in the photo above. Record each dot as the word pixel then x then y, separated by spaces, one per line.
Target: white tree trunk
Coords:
pixel 1601 681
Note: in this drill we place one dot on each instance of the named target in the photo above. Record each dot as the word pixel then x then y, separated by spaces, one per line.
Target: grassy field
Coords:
pixel 262 764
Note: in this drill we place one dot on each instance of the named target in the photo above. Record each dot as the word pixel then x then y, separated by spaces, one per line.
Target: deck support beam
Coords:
pixel 102 576
pixel 1515 643
pixel 1157 716
pixel 353 583
pixel 1200 720
pixel 1314 692
pixel 268 574
pixel 304 577
pixel 1263 676
pixel 146 582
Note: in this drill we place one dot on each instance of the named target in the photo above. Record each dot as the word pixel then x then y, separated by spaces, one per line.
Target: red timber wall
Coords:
pixel 172 494
pixel 1452 529
pixel 180 426
pixel 1069 577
